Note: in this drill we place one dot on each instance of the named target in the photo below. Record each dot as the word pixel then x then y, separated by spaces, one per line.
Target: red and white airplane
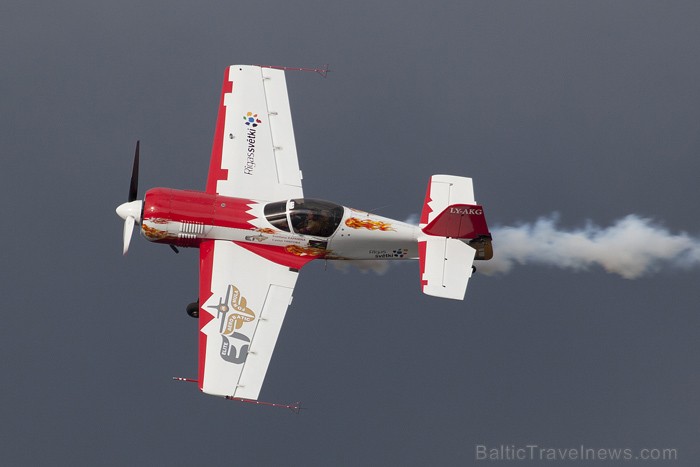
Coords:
pixel 255 231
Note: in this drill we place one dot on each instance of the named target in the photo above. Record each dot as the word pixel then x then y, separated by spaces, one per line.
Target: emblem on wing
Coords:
pixel 233 312
pixel 251 119
pixel 240 314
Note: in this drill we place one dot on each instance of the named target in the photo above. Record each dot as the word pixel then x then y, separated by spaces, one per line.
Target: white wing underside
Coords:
pixel 255 294
pixel 260 156
pixel 243 296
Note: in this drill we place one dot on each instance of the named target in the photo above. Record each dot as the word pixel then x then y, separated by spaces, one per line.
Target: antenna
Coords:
pixel 295 407
pixel 321 71
pixel 186 380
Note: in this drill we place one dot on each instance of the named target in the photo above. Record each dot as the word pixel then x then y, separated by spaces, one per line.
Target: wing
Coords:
pixel 243 300
pixel 254 153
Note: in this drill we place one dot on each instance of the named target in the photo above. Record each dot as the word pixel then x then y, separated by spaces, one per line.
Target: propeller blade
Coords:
pixel 133 188
pixel 128 230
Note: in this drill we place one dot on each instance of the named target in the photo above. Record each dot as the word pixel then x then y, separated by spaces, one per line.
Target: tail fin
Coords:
pixel 444 190
pixel 455 233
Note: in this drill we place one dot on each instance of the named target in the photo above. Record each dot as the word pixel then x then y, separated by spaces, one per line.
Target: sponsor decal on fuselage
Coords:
pixel 287 240
pixel 255 238
pixel 386 254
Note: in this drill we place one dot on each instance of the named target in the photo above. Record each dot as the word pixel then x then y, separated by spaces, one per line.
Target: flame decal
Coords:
pixel 305 251
pixel 369 224
pixel 153 233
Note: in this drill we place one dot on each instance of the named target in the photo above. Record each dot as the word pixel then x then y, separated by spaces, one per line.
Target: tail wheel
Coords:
pixel 193 309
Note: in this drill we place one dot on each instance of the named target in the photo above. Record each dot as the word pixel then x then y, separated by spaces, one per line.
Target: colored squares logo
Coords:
pixel 400 253
pixel 251 119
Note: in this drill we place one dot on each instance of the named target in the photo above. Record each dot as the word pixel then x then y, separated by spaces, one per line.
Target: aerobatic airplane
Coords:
pixel 255 231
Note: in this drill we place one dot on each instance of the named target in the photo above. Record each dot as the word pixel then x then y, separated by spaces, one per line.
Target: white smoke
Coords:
pixel 632 247
pixel 412 219
pixel 377 266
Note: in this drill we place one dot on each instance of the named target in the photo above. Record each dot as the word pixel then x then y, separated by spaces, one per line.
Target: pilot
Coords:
pixel 312 225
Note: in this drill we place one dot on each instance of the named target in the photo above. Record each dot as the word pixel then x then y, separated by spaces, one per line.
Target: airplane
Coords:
pixel 255 231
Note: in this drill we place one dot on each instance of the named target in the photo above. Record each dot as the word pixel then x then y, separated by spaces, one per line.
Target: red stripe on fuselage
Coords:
pixel 217 173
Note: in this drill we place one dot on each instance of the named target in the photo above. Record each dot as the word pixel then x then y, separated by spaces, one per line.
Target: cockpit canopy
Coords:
pixel 307 216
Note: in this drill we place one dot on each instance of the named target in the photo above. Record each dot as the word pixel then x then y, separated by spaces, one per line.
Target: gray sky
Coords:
pixel 588 109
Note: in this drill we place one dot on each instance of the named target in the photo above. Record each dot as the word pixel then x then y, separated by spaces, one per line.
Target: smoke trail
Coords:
pixel 379 267
pixel 632 247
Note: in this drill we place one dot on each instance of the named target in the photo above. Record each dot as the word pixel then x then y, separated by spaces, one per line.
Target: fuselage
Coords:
pixel 304 227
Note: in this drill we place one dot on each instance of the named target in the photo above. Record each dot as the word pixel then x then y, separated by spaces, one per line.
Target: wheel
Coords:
pixel 193 309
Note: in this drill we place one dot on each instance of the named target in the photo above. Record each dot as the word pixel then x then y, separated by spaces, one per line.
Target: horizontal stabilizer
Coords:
pixel 446 266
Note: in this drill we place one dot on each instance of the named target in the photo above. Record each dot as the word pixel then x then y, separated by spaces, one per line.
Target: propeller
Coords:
pixel 131 210
pixel 134 186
